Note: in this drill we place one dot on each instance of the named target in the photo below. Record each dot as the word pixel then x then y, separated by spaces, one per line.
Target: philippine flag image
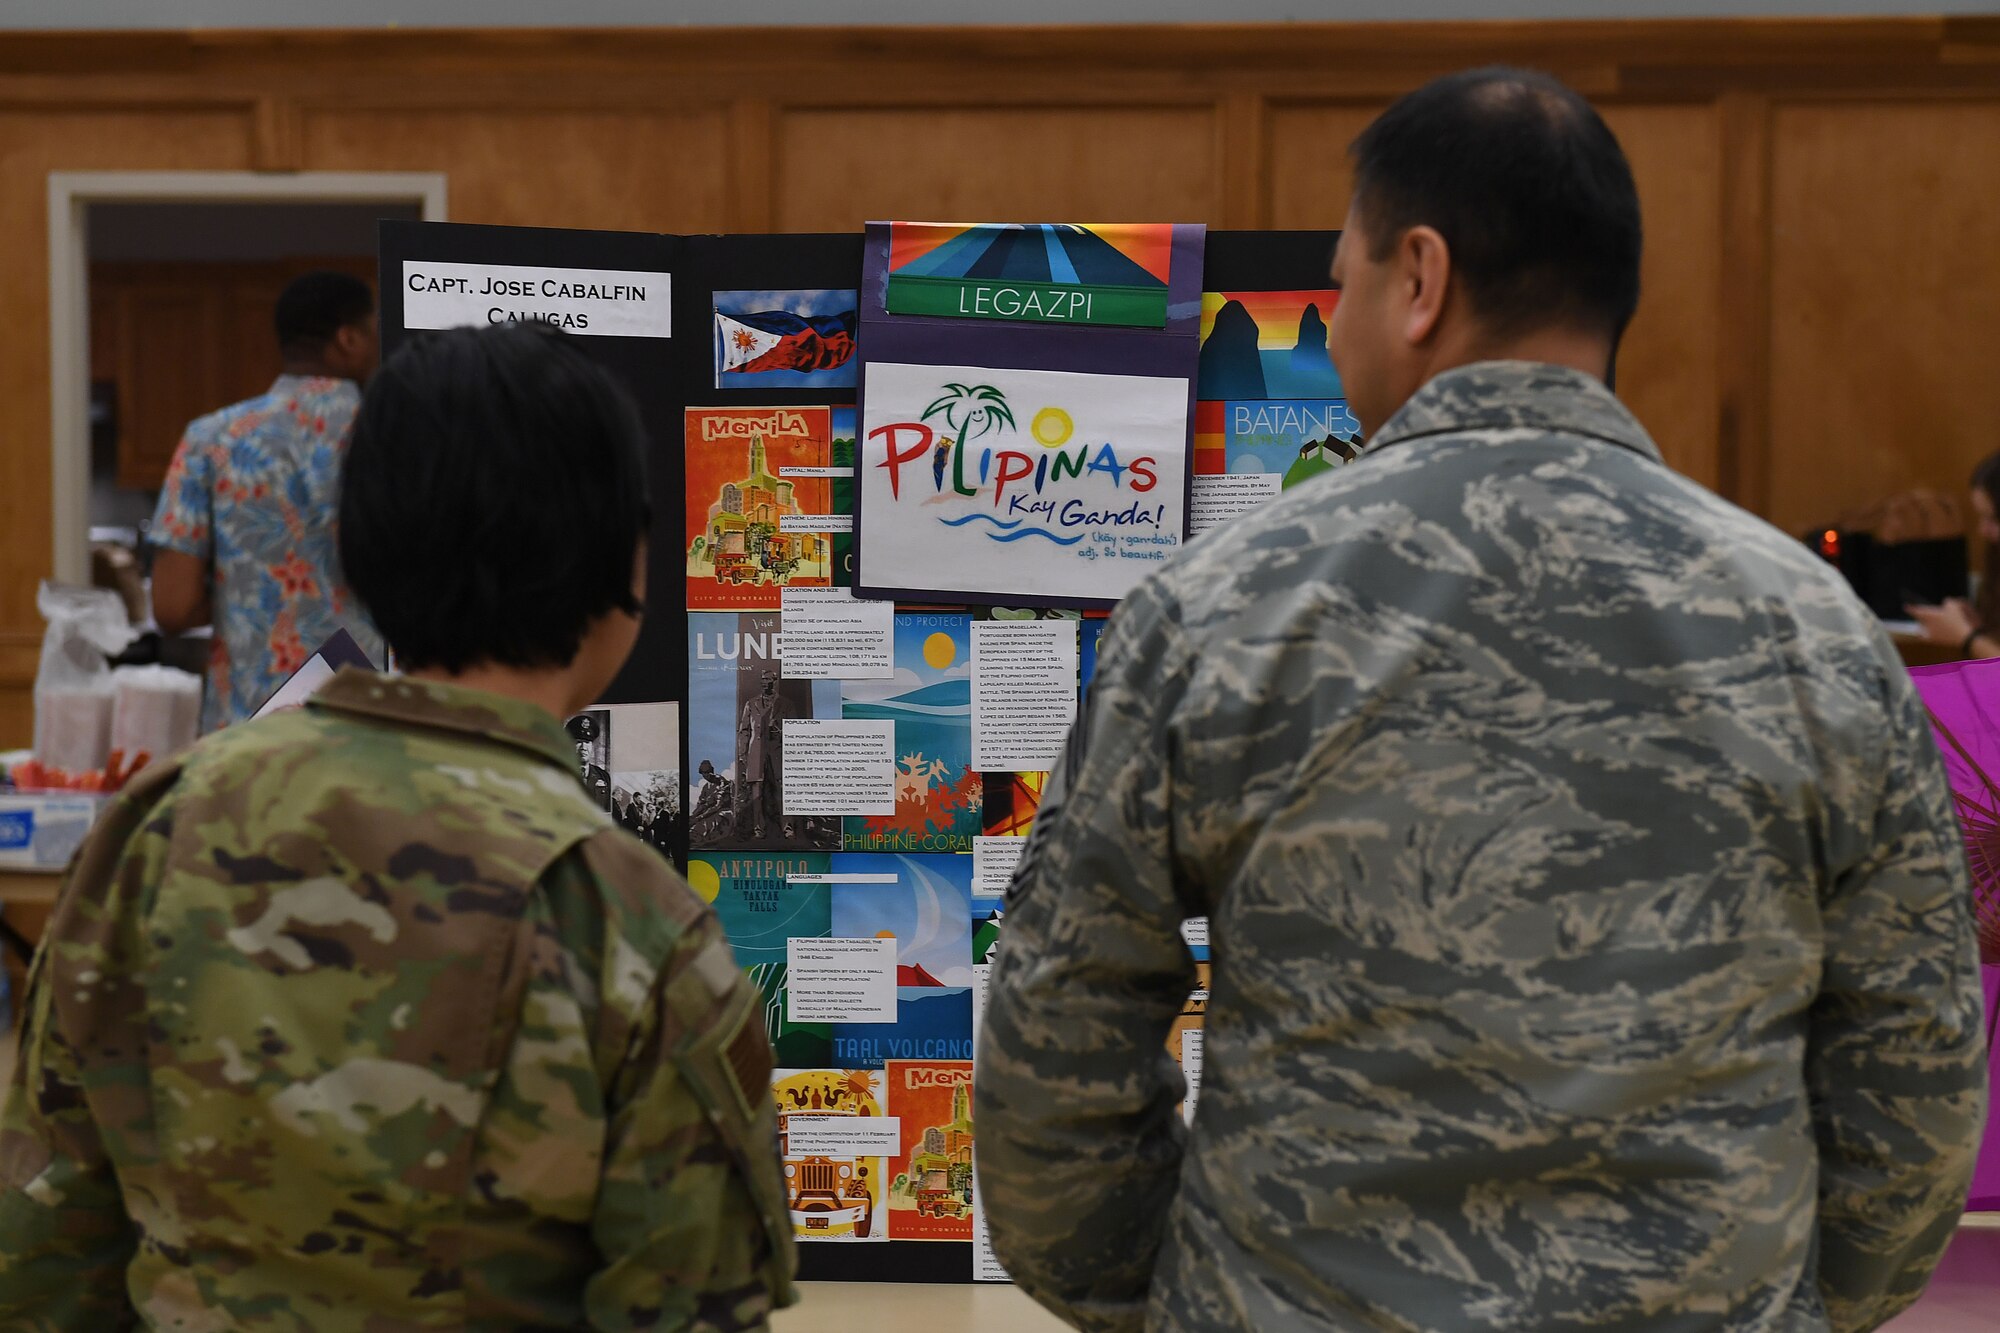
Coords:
pixel 776 340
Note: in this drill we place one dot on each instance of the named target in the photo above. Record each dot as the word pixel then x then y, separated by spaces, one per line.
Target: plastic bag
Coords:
pixel 73 690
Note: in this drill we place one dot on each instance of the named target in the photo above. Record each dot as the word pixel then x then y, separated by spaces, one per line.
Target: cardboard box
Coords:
pixel 40 831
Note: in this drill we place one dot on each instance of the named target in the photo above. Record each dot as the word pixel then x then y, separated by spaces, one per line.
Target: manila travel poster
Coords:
pixel 930 1180
pixel 759 490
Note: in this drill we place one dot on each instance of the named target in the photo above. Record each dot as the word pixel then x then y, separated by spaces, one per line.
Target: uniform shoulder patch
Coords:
pixel 746 1056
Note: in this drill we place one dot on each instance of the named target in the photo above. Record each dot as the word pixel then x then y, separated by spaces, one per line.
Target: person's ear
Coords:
pixel 1423 263
pixel 639 572
pixel 350 342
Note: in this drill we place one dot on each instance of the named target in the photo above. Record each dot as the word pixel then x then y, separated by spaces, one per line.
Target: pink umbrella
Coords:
pixel 1964 703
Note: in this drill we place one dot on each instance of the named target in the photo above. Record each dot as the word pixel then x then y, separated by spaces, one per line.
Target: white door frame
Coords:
pixel 70 195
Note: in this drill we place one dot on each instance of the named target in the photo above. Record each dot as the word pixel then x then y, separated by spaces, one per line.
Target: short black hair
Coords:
pixel 1528 187
pixel 493 500
pixel 315 306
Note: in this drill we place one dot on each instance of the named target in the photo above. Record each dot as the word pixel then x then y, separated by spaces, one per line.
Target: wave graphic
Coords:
pixel 1035 532
pixel 893 710
pixel 961 522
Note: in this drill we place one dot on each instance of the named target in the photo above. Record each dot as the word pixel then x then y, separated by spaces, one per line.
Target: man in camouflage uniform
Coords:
pixel 365 1017
pixel 1590 931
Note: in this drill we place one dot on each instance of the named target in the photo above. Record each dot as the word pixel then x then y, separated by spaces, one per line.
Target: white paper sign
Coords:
pixel 839 767
pixel 980 974
pixel 1215 499
pixel 594 302
pixel 1023 693
pixel 1191 1068
pixel 847 1136
pixel 816 523
pixel 985 1266
pixel 840 980
pixel 1037 483
pixel 993 862
pixel 303 685
pixel 847 877
pixel 1194 931
pixel 830 634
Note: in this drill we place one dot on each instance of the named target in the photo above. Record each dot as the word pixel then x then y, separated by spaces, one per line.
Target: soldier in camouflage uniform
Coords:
pixel 365 1017
pixel 1590 930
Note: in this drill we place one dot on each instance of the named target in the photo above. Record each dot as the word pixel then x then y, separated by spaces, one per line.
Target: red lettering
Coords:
pixel 1143 467
pixel 894 455
pixel 1013 467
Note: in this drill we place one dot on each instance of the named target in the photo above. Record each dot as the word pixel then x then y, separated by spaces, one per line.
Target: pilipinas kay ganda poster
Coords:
pixel 982 484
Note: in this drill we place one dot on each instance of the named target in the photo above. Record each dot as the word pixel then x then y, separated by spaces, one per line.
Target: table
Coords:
pixel 37 888
pixel 27 898
pixel 1916 650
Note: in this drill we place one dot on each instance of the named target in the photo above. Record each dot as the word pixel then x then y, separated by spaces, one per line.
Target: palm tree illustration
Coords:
pixel 971 410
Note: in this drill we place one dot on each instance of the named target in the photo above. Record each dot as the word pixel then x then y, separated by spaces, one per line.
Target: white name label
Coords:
pixel 595 302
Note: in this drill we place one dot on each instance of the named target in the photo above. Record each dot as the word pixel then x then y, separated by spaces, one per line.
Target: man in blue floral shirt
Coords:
pixel 244 535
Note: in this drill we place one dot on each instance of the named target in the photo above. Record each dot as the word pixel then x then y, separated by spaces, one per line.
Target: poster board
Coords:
pixel 848 778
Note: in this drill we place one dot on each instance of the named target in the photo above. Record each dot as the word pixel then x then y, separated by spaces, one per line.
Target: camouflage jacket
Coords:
pixel 362 1018
pixel 1591 937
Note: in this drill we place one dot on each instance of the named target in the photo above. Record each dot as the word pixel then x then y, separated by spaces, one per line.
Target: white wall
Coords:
pixel 671 13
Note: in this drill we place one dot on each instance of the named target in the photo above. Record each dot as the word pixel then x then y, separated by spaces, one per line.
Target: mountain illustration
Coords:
pixel 956 692
pixel 1230 366
pixel 913 974
pixel 1309 355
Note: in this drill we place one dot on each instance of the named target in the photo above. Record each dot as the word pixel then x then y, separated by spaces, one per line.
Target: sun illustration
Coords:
pixel 885 934
pixel 703 880
pixel 940 651
pixel 1052 427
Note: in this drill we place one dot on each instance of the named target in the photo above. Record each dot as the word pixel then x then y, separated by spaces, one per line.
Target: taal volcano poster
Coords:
pixel 924 903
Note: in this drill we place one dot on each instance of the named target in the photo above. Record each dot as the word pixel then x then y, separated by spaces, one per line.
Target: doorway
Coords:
pixel 161 287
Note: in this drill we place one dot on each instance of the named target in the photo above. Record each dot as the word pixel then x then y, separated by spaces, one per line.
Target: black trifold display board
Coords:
pixel 667 376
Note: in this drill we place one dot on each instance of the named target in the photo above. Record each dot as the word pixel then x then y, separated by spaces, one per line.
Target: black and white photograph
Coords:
pixel 645 771
pixel 591 731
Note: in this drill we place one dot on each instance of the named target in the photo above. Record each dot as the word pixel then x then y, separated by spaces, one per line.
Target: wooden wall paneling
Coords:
pixel 246 341
pixel 839 167
pixel 1244 132
pixel 633 170
pixel 1743 337
pixel 1885 301
pixel 1667 372
pixel 750 166
pixel 1309 181
pixel 275 143
pixel 169 373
